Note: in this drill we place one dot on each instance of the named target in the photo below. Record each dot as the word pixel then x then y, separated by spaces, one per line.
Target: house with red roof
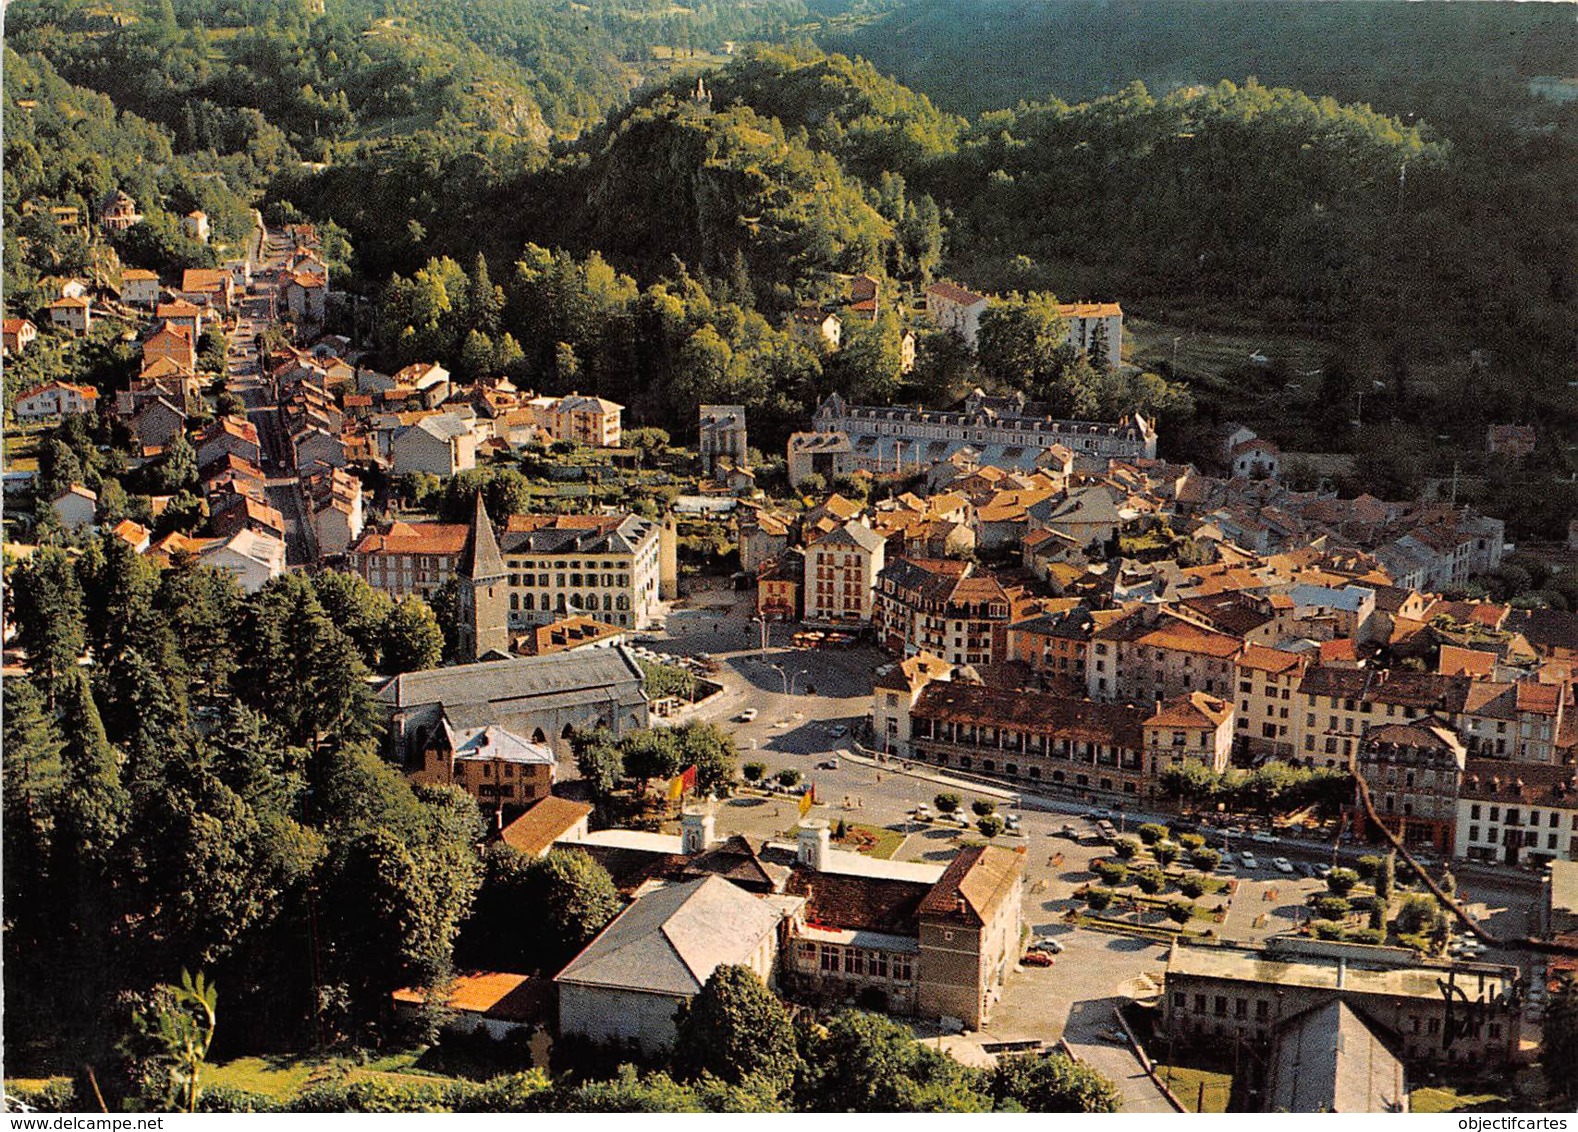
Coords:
pixel 56 399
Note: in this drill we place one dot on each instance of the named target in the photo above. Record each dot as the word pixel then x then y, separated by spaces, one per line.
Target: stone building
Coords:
pixel 1431 1013
pixel 721 440
pixel 543 699
pixel 1413 772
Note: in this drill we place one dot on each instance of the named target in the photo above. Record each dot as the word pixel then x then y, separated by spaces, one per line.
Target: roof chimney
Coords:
pixel 814 842
pixel 695 832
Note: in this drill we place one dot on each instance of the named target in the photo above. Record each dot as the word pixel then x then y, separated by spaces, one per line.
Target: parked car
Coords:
pixel 1011 821
pixel 1037 959
pixel 1264 838
pixel 746 716
pixel 1047 943
pixel 1323 871
pixel 1068 831
pixel 828 764
pixel 1115 1035
pixel 1282 864
pixel 1249 861
pixel 922 813
pixel 839 731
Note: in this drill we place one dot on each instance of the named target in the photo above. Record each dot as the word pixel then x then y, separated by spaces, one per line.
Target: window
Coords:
pixel 1199 1004
pixel 1262 1010
pixel 1241 1008
pixel 1473 811
pixel 1220 1006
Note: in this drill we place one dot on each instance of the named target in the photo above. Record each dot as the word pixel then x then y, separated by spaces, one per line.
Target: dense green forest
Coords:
pixel 1429 60
pixel 541 188
pixel 573 136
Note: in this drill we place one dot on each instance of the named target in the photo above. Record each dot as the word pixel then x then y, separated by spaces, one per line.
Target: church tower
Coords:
pixel 484 619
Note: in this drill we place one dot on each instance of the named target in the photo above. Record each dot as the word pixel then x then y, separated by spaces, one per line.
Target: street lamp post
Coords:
pixel 795 677
pixel 778 668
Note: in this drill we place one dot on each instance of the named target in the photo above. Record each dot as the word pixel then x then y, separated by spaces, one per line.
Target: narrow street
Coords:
pixel 245 378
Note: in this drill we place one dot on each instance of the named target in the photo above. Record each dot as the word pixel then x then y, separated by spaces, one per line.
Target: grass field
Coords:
pixel 887 840
pixel 21 448
pixel 1200 1090
pixel 281 1078
pixel 1448 1099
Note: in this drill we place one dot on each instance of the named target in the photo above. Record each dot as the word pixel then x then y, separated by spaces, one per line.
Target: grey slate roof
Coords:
pixel 1329 1059
pixel 480 558
pixel 670 941
pixel 500 681
pixel 625 538
pixel 497 744
pixel 854 533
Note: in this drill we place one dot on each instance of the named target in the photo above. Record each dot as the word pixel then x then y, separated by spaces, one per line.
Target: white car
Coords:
pixel 1282 864
pixel 746 716
pixel 1047 943
pixel 1249 861
pixel 1263 837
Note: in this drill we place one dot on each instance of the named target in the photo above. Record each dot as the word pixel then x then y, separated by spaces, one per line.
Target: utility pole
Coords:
pixel 1456 468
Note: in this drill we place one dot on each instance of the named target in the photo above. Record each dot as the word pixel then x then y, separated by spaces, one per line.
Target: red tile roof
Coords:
pixel 539 827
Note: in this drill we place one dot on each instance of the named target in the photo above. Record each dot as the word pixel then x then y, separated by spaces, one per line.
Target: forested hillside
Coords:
pixel 573 139
pixel 1421 59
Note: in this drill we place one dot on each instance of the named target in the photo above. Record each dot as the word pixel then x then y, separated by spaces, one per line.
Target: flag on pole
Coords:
pixel 676 788
pixel 805 803
pixel 687 778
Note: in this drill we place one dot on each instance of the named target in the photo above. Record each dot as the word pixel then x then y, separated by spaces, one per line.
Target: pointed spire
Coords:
pixel 480 558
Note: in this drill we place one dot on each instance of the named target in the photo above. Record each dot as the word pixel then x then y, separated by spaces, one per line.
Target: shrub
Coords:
pixel 58 1094
pixel 754 772
pixel 1340 882
pixel 223 1098
pixel 1191 841
pixel 1367 935
pixel 990 825
pixel 1331 907
pixel 983 807
pixel 1098 898
pixel 1180 911
pixel 1151 832
pixel 1418 913
pixel 1325 929
pixel 1111 872
pixel 946 803
pixel 1192 887
pixel 1165 852
pixel 1206 860
pixel 1369 867
pixel 1150 880
pixel 789 776
pixel 1127 848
